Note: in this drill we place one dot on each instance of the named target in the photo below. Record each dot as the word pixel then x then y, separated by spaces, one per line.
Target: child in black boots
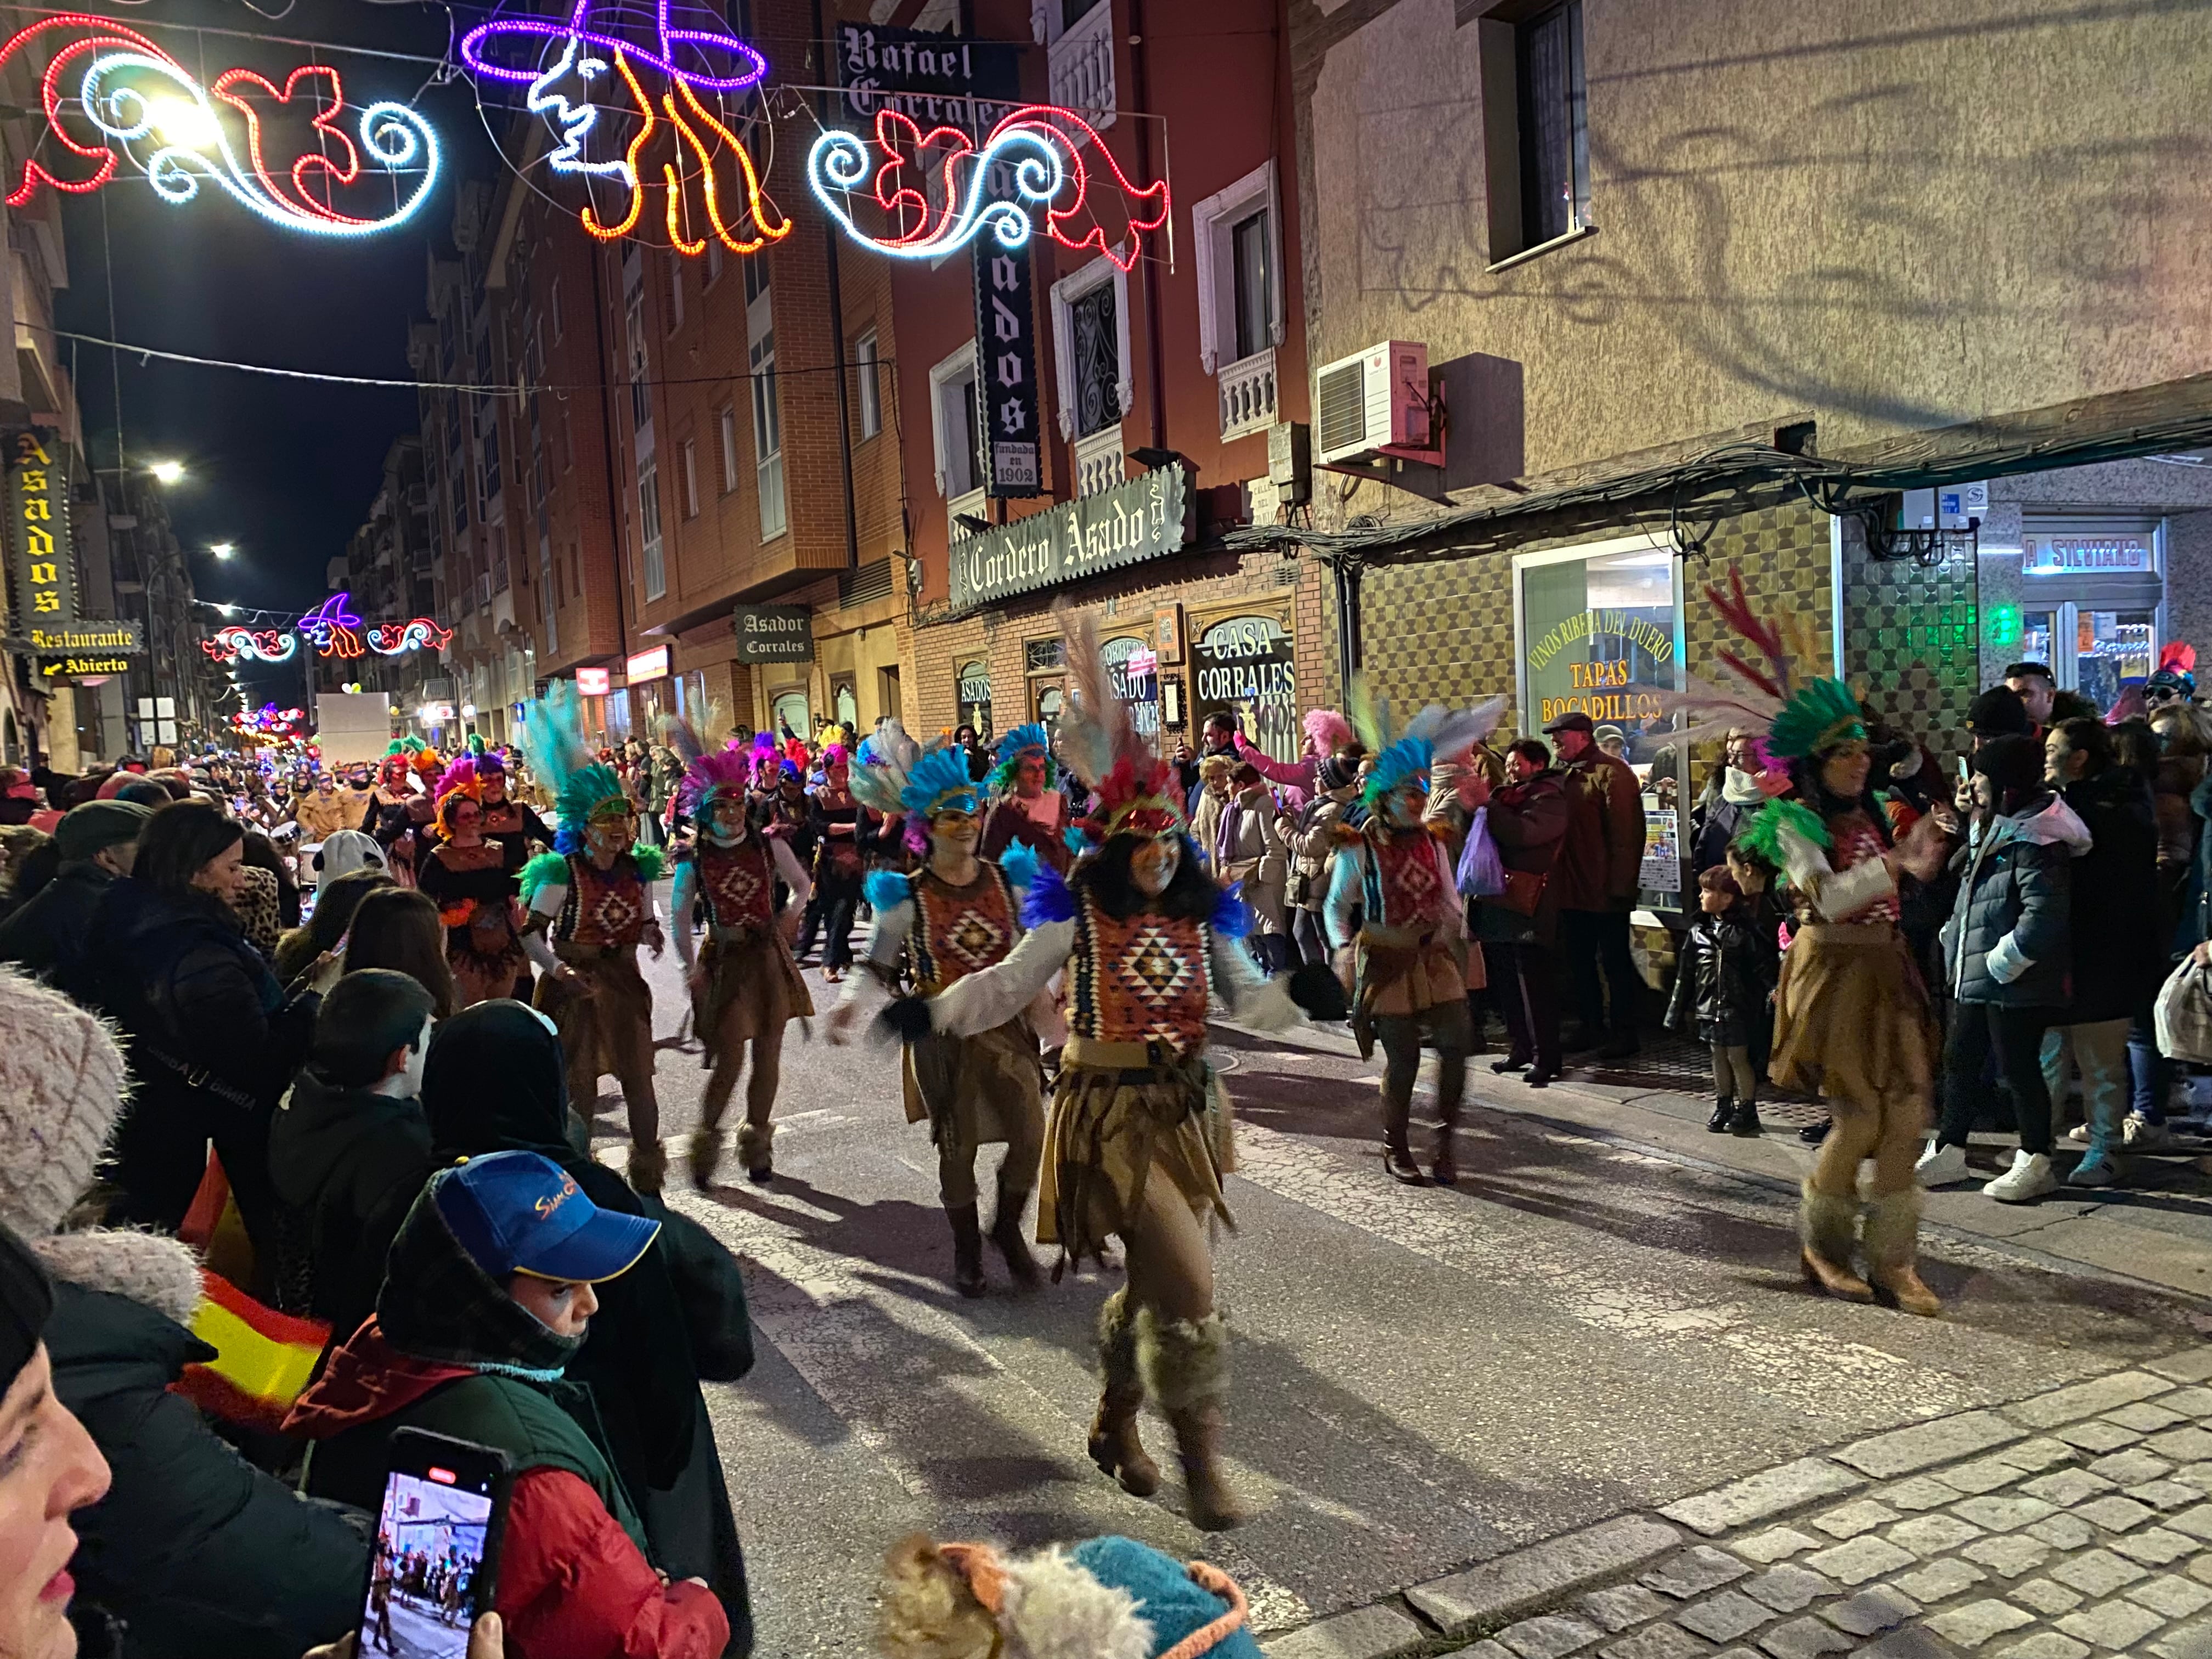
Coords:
pixel 1720 996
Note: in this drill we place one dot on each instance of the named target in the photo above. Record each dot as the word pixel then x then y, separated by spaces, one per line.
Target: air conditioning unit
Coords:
pixel 1376 402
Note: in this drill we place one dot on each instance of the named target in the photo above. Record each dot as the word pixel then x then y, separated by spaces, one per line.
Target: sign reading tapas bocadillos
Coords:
pixel 1141 519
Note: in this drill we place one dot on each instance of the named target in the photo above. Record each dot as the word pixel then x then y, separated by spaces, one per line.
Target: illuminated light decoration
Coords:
pixel 1041 144
pixel 271 721
pixel 189 140
pixel 228 644
pixel 394 639
pixel 331 627
pixel 568 68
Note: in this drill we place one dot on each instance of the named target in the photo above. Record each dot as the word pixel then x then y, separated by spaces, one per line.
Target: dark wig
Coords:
pixel 1805 774
pixel 1191 896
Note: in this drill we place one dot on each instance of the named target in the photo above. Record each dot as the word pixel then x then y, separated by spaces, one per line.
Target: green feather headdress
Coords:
pixel 1801 715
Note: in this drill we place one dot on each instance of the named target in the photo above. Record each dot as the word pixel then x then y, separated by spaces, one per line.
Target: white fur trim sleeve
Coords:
pixel 1242 992
pixel 1834 894
pixel 993 995
pixel 1053 1609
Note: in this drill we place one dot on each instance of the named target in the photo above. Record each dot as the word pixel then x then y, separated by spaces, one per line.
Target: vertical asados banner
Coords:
pixel 38 530
pixel 1006 370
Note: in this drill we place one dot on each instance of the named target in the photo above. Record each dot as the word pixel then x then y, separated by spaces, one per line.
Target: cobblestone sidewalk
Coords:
pixel 2072 1523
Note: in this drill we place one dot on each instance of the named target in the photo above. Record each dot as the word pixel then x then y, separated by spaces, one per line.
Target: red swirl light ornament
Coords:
pixel 1043 144
pixel 394 639
pixel 127 99
pixel 228 644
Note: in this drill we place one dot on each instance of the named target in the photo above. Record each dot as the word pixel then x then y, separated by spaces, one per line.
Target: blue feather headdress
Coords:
pixel 894 775
pixel 1406 758
pixel 1016 746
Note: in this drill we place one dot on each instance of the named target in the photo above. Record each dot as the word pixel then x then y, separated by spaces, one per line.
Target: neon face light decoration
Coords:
pixel 577 73
pixel 135 102
pixel 331 627
pixel 1041 148
pixel 228 644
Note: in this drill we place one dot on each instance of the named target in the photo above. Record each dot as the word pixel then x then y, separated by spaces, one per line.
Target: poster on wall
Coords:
pixel 1659 877
pixel 1244 664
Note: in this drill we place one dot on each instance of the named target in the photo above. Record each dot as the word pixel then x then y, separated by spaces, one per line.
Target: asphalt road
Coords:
pixel 1423 1378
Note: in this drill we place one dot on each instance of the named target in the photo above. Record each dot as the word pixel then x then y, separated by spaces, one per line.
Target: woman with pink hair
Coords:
pixel 1328 733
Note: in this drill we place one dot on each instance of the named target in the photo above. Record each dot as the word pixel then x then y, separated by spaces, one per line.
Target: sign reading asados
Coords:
pixel 1141 519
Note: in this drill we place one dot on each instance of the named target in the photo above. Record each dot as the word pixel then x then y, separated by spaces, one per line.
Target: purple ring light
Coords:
pixel 704 44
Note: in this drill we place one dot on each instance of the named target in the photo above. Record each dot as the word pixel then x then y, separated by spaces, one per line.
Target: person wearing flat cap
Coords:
pixel 49 1469
pixel 46 938
pixel 487 1296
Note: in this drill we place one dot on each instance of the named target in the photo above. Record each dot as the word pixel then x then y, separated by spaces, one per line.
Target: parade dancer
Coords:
pixel 590 904
pixel 1851 1018
pixel 745 986
pixel 1138 1133
pixel 473 878
pixel 955 915
pixel 1407 965
pixel 513 824
pixel 1027 808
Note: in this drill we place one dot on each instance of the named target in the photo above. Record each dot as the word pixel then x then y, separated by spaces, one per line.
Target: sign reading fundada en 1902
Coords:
pixel 1141 520
pixel 773 633
pixel 39 515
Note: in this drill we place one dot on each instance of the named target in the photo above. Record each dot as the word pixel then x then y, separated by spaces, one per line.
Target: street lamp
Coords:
pixel 167 472
pixel 223 549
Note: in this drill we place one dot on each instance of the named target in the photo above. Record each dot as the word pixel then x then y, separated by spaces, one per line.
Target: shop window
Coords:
pixel 1132 673
pixel 1244 664
pixel 953 424
pixel 973 692
pixel 1046 701
pixel 868 386
pixel 2093 601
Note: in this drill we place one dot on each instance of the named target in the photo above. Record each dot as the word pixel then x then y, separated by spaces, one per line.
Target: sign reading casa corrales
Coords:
pixel 1142 518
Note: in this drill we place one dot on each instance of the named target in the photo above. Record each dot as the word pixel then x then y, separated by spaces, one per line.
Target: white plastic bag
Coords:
pixel 2182 1014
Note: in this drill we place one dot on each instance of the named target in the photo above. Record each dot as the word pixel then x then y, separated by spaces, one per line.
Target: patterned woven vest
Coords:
pixel 1137 980
pixel 739 883
pixel 1405 887
pixel 606 908
pixel 957 929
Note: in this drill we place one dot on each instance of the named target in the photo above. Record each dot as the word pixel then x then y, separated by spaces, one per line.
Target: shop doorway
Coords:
pixel 2092 602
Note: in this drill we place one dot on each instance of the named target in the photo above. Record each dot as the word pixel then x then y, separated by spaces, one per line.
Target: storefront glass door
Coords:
pixel 2093 599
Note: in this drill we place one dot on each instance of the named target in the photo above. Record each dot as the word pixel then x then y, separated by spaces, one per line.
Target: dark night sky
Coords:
pixel 284 468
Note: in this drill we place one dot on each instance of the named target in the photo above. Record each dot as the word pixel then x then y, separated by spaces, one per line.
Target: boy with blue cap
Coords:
pixel 486 1298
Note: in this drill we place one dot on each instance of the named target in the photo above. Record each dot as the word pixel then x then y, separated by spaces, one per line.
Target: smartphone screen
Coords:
pixel 436 1557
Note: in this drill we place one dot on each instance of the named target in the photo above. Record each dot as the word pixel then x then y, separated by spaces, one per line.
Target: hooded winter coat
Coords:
pixel 450 1351
pixel 2117 909
pixel 2008 940
pixel 212 1043
pixel 494 1082
pixel 49 935
pixel 346 1164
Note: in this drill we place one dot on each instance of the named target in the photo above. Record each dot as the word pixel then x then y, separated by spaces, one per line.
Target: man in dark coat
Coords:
pixel 2118 955
pixel 350 1148
pixel 47 937
pixel 1595 883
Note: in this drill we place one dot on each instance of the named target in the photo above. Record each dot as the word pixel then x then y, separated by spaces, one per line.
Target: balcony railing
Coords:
pixel 1248 394
pixel 1098 463
pixel 1079 66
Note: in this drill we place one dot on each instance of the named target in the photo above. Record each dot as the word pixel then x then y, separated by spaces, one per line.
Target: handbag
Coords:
pixel 2182 1014
pixel 1523 891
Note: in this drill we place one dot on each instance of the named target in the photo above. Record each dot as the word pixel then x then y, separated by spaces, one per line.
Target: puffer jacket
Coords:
pixel 2009 940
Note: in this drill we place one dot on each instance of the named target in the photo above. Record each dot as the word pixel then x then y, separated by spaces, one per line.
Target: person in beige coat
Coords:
pixel 1244 833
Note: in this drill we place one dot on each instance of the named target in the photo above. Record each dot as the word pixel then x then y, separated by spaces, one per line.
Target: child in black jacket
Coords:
pixel 1720 996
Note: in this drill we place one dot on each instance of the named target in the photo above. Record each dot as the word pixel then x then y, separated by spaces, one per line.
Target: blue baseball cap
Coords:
pixel 521 1212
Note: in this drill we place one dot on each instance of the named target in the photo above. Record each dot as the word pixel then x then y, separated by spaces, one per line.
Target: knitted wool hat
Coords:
pixel 62 1083
pixel 98 824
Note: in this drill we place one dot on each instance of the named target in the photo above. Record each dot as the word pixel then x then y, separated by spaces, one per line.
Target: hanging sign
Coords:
pixel 39 520
pixel 1141 520
pixel 919 195
pixel 933 79
pixel 646 665
pixel 773 633
pixel 1006 370
pixel 636 110
pixel 122 638
pixel 591 682
pixel 296 154
pixel 1245 666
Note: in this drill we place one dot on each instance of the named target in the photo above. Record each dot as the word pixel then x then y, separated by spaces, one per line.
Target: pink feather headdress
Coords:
pixel 711 775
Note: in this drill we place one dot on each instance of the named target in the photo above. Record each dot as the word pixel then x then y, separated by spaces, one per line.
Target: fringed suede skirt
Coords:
pixel 1851 1020
pixel 1122 1112
pixel 752 989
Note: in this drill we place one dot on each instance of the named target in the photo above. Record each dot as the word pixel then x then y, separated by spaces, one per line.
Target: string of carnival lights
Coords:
pixel 142 105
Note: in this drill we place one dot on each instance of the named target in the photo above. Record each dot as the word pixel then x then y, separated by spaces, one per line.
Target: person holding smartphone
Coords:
pixel 487 1298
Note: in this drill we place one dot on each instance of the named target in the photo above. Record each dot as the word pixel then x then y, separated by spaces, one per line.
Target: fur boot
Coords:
pixel 1892 1246
pixel 1006 1234
pixel 966 1251
pixel 1186 1365
pixel 1826 1226
pixel 706 1156
pixel 1115 1447
pixel 756 1152
pixel 648 1167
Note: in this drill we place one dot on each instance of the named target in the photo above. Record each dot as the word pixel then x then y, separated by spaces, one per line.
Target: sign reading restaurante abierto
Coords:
pixel 1141 520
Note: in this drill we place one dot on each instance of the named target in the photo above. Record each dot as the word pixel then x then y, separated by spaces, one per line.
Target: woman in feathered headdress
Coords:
pixel 590 904
pixel 1851 1020
pixel 513 824
pixel 745 986
pixel 1138 1132
pixel 955 915
pixel 846 834
pixel 1028 807
pixel 473 879
pixel 1407 964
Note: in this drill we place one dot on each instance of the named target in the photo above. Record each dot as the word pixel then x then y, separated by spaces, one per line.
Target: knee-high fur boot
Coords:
pixel 648 1166
pixel 756 1150
pixel 1827 1225
pixel 1892 1247
pixel 1186 1365
pixel 1115 1447
pixel 706 1155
